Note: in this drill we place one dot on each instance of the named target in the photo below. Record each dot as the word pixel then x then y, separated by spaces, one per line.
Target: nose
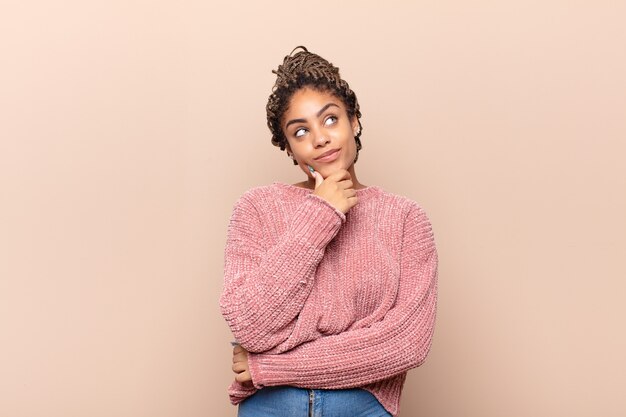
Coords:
pixel 320 139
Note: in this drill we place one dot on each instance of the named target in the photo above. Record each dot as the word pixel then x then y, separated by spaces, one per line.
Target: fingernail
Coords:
pixel 311 169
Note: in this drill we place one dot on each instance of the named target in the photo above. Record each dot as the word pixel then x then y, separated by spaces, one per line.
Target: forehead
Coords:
pixel 306 102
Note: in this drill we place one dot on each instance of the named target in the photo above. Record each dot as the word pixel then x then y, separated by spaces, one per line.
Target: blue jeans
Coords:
pixel 286 401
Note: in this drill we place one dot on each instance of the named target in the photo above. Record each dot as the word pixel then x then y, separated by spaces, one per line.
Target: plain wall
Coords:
pixel 129 128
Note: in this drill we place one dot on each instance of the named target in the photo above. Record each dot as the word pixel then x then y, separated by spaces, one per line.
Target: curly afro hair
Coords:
pixel 306 69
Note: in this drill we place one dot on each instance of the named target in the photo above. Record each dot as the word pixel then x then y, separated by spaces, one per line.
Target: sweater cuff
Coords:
pixel 253 367
pixel 270 370
pixel 317 221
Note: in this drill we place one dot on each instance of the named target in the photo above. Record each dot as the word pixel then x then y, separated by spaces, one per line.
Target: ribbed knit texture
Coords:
pixel 324 300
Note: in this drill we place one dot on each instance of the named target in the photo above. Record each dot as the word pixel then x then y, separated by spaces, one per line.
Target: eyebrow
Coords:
pixel 319 113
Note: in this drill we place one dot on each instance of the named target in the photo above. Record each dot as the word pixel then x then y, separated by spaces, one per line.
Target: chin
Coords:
pixel 334 167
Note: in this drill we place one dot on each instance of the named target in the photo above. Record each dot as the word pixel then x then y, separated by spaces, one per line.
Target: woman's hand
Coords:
pixel 337 189
pixel 240 366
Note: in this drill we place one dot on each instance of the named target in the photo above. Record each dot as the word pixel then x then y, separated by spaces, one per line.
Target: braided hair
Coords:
pixel 306 69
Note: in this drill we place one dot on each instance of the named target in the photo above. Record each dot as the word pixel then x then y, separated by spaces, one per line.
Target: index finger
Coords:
pixel 341 174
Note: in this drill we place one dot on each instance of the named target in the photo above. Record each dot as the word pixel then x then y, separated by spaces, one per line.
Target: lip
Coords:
pixel 328 156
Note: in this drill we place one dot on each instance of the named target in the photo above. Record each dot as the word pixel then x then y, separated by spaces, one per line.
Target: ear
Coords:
pixel 288 148
pixel 355 125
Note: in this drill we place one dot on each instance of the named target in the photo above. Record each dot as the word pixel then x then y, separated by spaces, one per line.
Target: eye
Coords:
pixel 300 132
pixel 331 120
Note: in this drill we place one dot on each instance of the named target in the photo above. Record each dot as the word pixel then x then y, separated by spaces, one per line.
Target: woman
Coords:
pixel 330 285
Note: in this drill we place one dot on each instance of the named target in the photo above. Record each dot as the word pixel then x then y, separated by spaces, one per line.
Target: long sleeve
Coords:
pixel 265 286
pixel 387 348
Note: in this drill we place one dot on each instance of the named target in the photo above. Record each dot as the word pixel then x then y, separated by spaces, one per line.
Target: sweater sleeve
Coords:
pixel 397 343
pixel 265 287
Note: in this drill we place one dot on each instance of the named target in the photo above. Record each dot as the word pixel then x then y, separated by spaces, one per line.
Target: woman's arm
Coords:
pixel 265 288
pixel 387 348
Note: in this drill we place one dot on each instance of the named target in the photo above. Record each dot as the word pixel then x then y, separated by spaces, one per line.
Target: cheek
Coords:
pixel 301 153
pixel 349 138
pixel 352 147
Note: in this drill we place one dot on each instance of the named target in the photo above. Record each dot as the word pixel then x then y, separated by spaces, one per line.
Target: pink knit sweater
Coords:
pixel 323 300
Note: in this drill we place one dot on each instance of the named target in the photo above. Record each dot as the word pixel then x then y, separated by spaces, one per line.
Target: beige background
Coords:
pixel 128 130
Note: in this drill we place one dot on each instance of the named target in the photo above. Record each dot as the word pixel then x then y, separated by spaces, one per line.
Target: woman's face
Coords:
pixel 319 132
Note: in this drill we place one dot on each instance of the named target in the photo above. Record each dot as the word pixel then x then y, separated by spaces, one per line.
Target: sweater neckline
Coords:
pixel 362 193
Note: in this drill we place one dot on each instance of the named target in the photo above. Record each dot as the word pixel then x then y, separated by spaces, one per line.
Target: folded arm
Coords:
pixel 265 287
pixel 397 343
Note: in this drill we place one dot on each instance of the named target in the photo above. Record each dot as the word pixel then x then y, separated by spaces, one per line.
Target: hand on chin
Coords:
pixel 330 168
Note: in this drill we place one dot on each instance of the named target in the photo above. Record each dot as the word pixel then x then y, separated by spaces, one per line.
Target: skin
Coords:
pixel 314 123
pixel 240 365
pixel 314 133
